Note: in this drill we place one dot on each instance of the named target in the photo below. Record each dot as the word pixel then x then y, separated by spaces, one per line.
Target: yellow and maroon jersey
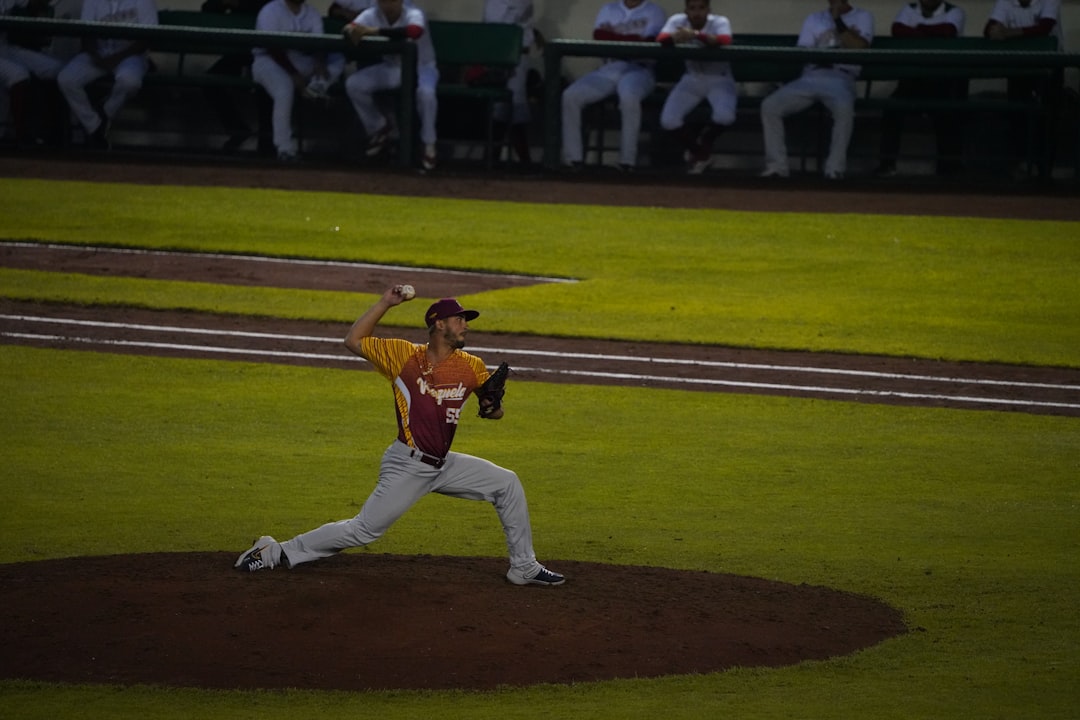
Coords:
pixel 429 399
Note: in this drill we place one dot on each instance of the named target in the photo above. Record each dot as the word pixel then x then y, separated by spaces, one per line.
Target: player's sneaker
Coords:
pixel 378 141
pixel 543 576
pixel 317 88
pixel 774 172
pixel 698 163
pixel 263 555
pixel 429 159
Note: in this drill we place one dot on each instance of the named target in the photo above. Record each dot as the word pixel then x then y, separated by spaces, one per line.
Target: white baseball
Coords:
pixel 408 292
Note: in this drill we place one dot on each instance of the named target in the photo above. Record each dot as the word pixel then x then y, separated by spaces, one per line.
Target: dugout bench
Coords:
pixel 459 46
pixel 492 49
pixel 210 34
pixel 772 59
pixel 185 43
pixel 181 62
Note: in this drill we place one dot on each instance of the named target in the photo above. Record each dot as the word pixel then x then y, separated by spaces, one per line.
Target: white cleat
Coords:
pixel 543 576
pixel 261 556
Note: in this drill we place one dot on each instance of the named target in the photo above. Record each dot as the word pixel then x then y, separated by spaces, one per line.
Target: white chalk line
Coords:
pixel 179 346
pixel 570 355
pixel 245 352
pixel 812 389
pixel 281 260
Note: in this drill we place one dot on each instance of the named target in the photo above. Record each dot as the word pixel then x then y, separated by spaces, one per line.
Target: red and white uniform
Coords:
pixel 82 69
pixel 514 12
pixel 277 16
pixel 831 85
pixel 946 21
pixel 428 400
pixel 359 6
pixel 819 30
pixel 362 85
pixel 1041 17
pixel 631 80
pixel 702 80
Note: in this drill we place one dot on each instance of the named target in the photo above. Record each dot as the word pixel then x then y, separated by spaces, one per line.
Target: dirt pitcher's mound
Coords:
pixel 368 621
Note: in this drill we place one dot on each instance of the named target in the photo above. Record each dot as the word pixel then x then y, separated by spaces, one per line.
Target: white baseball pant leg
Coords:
pixel 835 91
pixel 631 83
pixel 335 66
pixel 634 86
pixel 12 73
pixel 839 99
pixel 40 65
pixel 279 86
pixel 82 70
pixel 361 87
pixel 128 78
pixel 681 101
pixel 517 112
pixel 784 101
pixel 586 90
pixel 403 480
pixel 723 96
pixel 427 103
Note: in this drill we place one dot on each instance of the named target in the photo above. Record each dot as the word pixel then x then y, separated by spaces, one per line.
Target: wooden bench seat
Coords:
pixel 751 73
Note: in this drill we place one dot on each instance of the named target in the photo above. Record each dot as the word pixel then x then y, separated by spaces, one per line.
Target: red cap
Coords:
pixel 448 307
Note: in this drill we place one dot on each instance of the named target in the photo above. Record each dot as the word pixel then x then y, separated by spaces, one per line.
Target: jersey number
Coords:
pixel 453 415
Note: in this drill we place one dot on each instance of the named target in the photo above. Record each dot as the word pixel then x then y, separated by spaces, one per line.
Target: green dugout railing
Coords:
pixel 222 38
pixel 758 58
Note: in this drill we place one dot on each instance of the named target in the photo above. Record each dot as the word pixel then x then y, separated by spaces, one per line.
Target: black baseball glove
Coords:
pixel 490 394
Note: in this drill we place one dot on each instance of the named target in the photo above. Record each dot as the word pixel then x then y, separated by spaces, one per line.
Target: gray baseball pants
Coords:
pixel 403 480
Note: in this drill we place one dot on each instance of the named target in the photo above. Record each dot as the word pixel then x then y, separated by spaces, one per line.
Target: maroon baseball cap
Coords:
pixel 448 307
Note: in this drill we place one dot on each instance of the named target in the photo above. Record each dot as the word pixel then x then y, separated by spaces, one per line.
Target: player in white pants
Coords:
pixel 517 114
pixel 1027 18
pixel 702 80
pixel 125 60
pixel 394 19
pixel 632 81
pixel 431 384
pixel 17 65
pixel 283 73
pixel 833 85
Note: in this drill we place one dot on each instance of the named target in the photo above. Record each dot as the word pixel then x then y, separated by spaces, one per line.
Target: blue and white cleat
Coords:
pixel 261 556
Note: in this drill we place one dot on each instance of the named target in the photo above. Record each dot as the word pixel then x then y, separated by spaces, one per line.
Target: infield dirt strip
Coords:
pixel 693 367
pixel 188 619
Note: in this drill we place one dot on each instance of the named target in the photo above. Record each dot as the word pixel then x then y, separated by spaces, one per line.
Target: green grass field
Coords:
pixel 965 520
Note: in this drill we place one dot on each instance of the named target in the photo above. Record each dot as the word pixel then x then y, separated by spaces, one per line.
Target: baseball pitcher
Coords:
pixel 431 383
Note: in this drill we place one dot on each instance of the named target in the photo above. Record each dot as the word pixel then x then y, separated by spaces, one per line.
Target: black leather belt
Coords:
pixel 831 66
pixel 427 459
